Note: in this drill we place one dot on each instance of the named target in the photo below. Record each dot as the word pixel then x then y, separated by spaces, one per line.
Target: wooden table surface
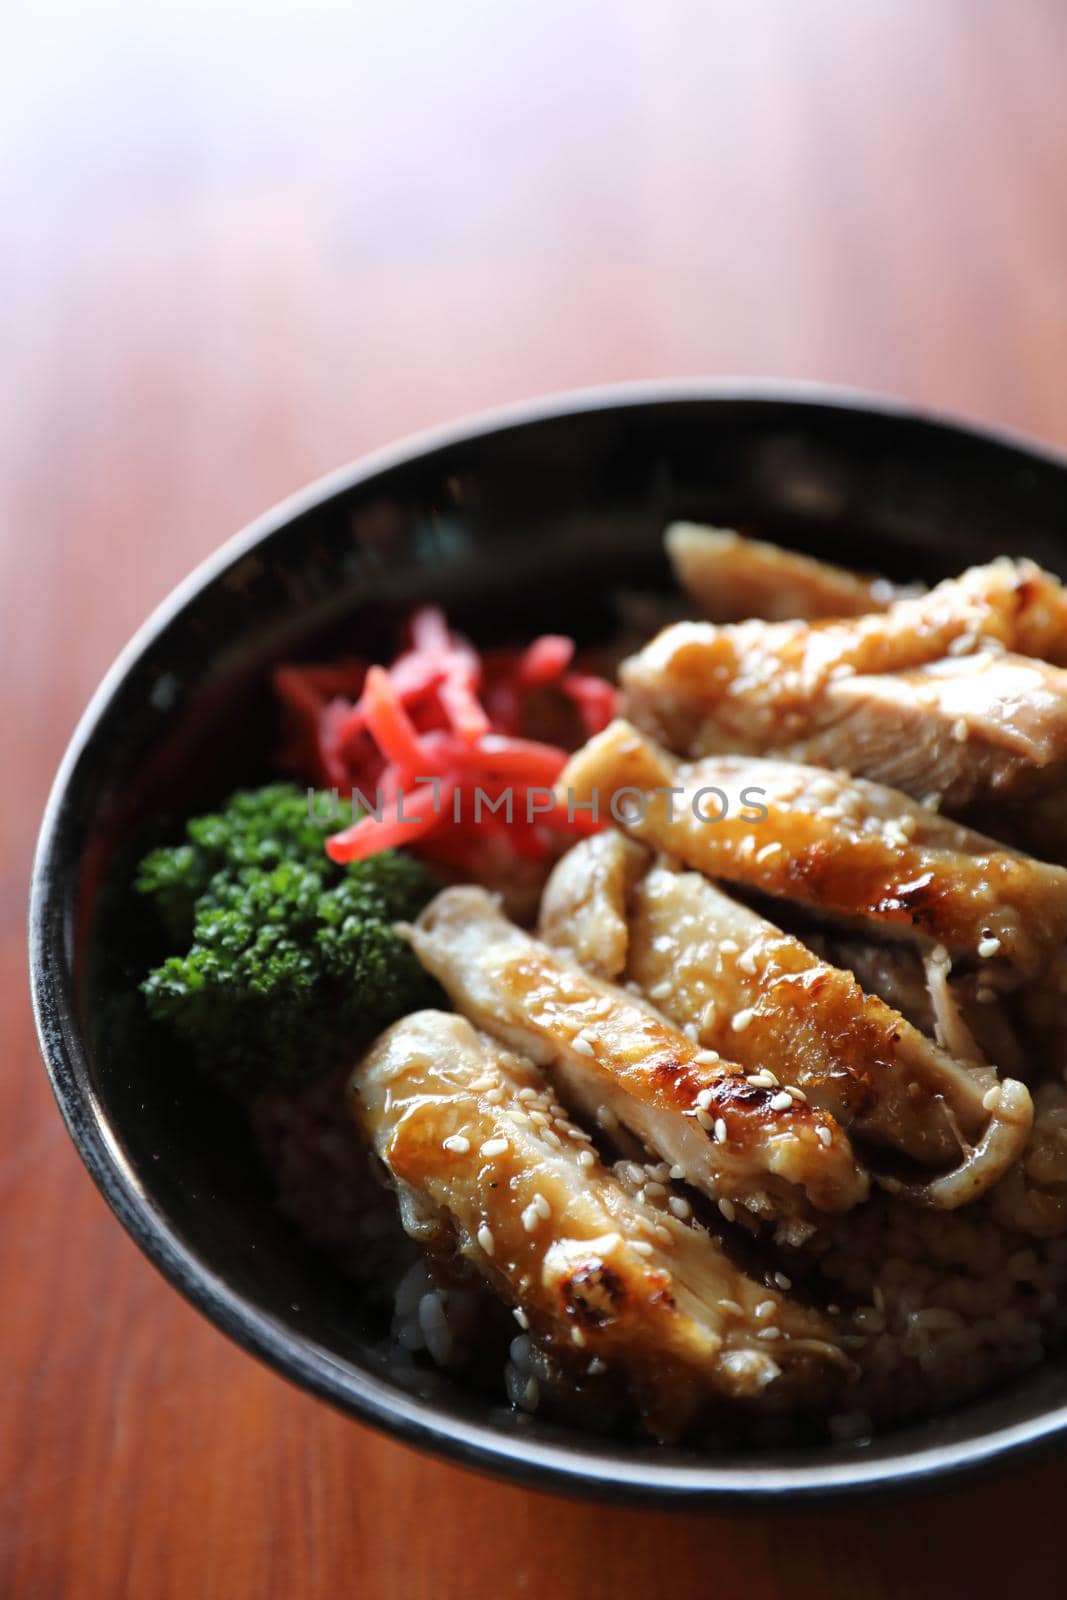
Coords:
pixel 240 248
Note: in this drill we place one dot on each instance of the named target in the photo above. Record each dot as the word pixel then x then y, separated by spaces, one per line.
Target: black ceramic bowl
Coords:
pixel 515 522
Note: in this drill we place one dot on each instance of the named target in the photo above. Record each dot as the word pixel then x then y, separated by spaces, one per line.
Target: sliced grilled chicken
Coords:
pixel 760 995
pixel 970 1005
pixel 731 577
pixel 981 733
pixel 486 1165
pixel 583 908
pixel 758 686
pixel 966 728
pixel 846 847
pixel 618 1061
pixel 706 961
pixel 891 970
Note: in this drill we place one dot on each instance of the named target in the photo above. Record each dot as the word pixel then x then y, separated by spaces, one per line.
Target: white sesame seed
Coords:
pixel 542 1205
pixel 527 1094
pixel 729 947
pixel 552 1138
pixel 707 1058
pixel 602 1007
pixel 765 1309
pixel 494 1147
pixel 824 1136
pixel 540 1118
pixel 747 961
pixel 960 730
pixel 663 1234
pixel 578 1337
pixel 991 1098
pixel 706 1120
pixel 704 1099
pixel 661 991
pixel 741 1019
pixel 679 1207
pixel 586 1158
pixel 988 947
pixel 768 851
pixel 728 1209
pixel 485 1239
pixel 582 1045
pixel 781 1101
pixel 931 801
pixel 732 1308
pixel 769 1333
pixel 782 1281
pixel 677 1172
pixel 796 1094
pixel 720 1131
pixel 642 1247
pixel 654 1191
pixel 520 1317
pixel 458 1143
pixel 529 1218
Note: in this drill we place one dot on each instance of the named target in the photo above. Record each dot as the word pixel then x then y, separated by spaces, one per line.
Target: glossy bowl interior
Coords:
pixel 516 522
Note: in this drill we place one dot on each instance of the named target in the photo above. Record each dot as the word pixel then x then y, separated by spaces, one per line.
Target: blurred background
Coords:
pixel 243 244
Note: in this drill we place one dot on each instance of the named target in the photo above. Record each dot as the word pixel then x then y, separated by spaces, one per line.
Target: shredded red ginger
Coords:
pixel 420 740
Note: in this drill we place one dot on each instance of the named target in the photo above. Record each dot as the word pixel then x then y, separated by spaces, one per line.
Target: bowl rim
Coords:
pixel 593 1471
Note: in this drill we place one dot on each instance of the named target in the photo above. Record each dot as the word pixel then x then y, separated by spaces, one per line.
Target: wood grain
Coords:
pixel 240 247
